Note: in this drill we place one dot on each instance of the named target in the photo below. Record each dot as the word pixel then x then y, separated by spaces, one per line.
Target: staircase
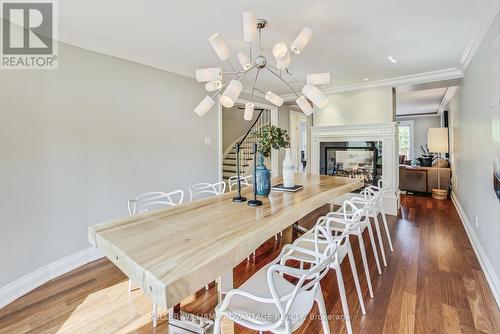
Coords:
pixel 246 149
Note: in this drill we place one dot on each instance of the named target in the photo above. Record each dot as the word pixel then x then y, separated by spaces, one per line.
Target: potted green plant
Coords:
pixel 268 137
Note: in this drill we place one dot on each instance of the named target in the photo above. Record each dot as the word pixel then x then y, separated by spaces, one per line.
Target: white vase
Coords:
pixel 288 170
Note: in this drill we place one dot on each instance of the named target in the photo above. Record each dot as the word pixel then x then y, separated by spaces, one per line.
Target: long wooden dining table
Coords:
pixel 174 252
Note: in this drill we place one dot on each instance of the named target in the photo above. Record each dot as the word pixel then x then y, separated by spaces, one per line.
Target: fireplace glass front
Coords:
pixel 361 160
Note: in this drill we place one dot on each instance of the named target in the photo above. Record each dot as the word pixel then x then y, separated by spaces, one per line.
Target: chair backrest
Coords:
pixel 245 181
pixel 302 296
pixel 341 223
pixel 218 188
pixel 147 201
pixel 384 185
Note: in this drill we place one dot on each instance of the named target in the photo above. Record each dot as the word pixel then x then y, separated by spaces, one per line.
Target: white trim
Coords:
pixel 447 98
pixel 31 281
pixel 384 132
pixel 411 124
pixel 220 140
pixel 490 11
pixel 413 79
pixel 491 277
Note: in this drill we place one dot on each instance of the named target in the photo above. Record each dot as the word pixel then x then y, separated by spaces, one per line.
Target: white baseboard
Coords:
pixel 25 284
pixel 485 263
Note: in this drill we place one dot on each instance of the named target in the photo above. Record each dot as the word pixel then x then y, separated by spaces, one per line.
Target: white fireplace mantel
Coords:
pixel 383 132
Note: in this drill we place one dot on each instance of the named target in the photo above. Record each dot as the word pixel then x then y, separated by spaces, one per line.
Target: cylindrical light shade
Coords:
pixel 315 95
pixel 437 139
pixel 301 41
pixel 219 46
pixel 274 99
pixel 304 105
pixel 281 55
pixel 283 62
pixel 244 61
pixel 204 106
pixel 319 78
pixel 249 26
pixel 209 74
pixel 248 115
pixel 233 90
pixel 280 50
pixel 213 86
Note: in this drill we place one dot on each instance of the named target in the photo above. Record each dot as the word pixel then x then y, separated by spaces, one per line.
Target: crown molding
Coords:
pixel 412 79
pixel 490 11
pixel 447 98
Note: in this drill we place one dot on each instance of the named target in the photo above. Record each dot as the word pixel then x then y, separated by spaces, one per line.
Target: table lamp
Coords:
pixel 437 140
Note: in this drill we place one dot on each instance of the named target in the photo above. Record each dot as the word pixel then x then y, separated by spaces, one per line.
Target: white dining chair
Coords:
pixel 336 225
pixel 358 230
pixel 147 202
pixel 245 181
pixel 203 189
pixel 384 187
pixel 267 301
pixel 372 196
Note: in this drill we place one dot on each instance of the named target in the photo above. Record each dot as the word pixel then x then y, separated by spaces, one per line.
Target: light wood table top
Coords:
pixel 172 253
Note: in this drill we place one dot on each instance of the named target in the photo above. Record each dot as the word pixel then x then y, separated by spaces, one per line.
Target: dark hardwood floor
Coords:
pixel 433 284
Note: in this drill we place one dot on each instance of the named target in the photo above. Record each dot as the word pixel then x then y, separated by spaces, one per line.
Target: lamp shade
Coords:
pixel 244 61
pixel 280 50
pixel 304 105
pixel 283 62
pixel 204 106
pixel 437 139
pixel 301 41
pixel 219 46
pixel 318 78
pixel 274 99
pixel 249 26
pixel 209 74
pixel 315 95
pixel 233 90
pixel 281 56
pixel 248 115
pixel 213 85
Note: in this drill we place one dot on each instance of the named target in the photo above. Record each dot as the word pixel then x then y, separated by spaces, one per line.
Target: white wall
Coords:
pixel 77 142
pixel 472 150
pixel 357 107
pixel 420 127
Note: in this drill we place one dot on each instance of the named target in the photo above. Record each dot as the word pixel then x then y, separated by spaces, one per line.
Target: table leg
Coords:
pixel 185 323
pixel 225 285
pixel 180 322
pixel 299 229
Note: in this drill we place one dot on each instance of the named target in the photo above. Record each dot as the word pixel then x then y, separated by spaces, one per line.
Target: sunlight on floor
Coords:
pixel 111 310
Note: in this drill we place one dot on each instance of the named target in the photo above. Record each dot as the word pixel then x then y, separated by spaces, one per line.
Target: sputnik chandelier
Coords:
pixel 252 28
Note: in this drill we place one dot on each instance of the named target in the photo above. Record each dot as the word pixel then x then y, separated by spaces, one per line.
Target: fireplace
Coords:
pixel 355 159
pixel 364 151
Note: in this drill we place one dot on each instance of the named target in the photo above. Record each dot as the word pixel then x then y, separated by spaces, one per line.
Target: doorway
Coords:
pixel 299 140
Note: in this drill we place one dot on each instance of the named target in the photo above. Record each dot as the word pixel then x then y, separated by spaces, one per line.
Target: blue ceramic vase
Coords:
pixel 262 177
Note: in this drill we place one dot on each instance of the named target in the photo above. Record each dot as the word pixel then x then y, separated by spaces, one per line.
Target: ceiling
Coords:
pixel 352 39
pixel 419 102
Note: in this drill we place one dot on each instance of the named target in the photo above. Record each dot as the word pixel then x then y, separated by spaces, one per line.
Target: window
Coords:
pixel 406 139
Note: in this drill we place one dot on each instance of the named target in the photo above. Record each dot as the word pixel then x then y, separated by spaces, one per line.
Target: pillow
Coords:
pixel 440 163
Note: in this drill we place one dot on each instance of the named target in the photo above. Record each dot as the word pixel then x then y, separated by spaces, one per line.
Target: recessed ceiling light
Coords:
pixel 365 79
pixel 392 60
